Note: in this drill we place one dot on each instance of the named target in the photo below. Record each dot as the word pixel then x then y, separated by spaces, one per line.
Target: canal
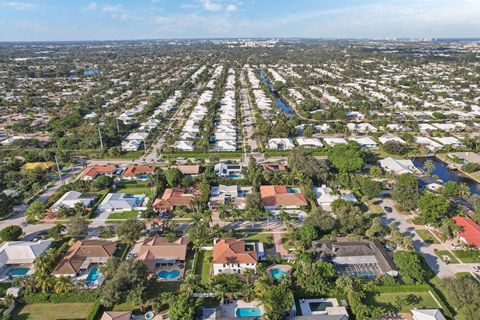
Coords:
pixel 289 112
pixel 446 174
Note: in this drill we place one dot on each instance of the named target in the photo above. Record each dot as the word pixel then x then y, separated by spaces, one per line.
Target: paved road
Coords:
pixel 442 269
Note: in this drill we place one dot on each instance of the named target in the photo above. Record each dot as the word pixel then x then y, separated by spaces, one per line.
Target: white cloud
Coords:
pixel 211 5
pixel 113 9
pixel 231 8
pixel 20 5
pixel 91 7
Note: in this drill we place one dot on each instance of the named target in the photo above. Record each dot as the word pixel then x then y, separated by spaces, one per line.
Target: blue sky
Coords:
pixel 43 20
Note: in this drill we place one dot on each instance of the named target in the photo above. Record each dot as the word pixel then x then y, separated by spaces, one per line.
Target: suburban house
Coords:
pixel 280 144
pixel 119 202
pixel 274 166
pixel 71 198
pixel 20 255
pixel 184 145
pixel 173 198
pixel 427 314
pixel 324 196
pixel 156 251
pixel 98 170
pixel 309 142
pixel 138 172
pixel 235 195
pixel 397 166
pixel 470 232
pixel 280 196
pixel 83 255
pixel 365 142
pixel 365 258
pixel 333 141
pixel 116 315
pixel 228 169
pixel 191 170
pixel 231 255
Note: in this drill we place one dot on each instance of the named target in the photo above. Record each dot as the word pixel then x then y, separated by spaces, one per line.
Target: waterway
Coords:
pixel 445 174
pixel 289 112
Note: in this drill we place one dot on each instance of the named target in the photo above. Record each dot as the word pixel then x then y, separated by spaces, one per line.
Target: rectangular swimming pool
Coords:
pixel 18 271
pixel 319 306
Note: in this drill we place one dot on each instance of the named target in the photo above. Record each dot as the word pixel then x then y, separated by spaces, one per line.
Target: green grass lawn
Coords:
pixel 135 187
pixel 427 236
pixel 442 253
pixel 204 265
pixel 405 300
pixel 123 215
pixel 122 250
pixel 50 311
pixel 264 237
pixel 470 256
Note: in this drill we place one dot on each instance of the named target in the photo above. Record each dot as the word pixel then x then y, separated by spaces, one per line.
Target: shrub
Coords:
pixel 11 233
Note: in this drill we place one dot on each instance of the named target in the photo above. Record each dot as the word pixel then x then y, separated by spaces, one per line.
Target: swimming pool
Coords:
pixel 18 271
pixel 235 176
pixel 93 275
pixel 169 274
pixel 293 190
pixel 138 198
pixel 319 306
pixel 277 273
pixel 248 312
pixel 143 177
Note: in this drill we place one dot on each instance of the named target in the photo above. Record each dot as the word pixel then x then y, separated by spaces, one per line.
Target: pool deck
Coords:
pixel 228 310
pixel 6 278
pixel 305 306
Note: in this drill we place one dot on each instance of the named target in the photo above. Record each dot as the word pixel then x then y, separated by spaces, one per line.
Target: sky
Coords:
pixel 63 20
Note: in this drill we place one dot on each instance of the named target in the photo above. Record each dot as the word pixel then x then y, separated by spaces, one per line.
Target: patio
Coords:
pixel 230 307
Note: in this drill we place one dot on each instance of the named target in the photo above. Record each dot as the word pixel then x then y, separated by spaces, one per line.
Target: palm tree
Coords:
pixel 62 285
pixel 44 282
pixel 429 167
pixel 43 263
pixel 464 190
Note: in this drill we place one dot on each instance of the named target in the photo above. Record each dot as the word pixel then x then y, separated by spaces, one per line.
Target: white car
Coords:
pixel 456 246
pixel 429 226
pixel 476 268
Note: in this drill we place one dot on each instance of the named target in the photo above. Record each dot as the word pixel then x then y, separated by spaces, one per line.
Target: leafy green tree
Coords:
pixel 275 297
pixel 174 177
pixel 377 229
pixel 463 292
pixel 77 227
pixel 130 230
pixel 315 278
pixel 102 182
pixel 433 208
pixel 347 157
pixel 11 233
pixel 410 266
pixel 350 219
pixel 35 210
pixel 182 307
pixel 396 148
pixel 302 160
pixel 6 204
pixel 56 231
pixel 405 192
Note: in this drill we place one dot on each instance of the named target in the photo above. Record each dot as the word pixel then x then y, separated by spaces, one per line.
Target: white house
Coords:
pixel 334 141
pixel 397 166
pixel 225 145
pixel 119 202
pixel 427 314
pixel 391 138
pixel 235 195
pixel 184 145
pixel 309 142
pixel 131 145
pixel 448 141
pixel 231 255
pixel 71 198
pixel 365 142
pixel 21 253
pixel 228 169
pixel 280 144
pixel 324 196
pixel 428 143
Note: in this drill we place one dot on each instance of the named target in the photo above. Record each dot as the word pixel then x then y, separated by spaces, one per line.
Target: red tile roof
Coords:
pixel 278 195
pixel 231 250
pixel 470 230
pixel 97 169
pixel 173 198
pixel 133 171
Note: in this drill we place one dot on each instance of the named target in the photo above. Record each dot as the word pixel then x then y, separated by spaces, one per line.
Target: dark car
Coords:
pixel 388 209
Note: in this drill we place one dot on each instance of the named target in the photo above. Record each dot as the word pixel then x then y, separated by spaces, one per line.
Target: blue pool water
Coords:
pixel 138 199
pixel 169 274
pixel 293 190
pixel 236 176
pixel 277 273
pixel 93 275
pixel 248 312
pixel 143 177
pixel 18 272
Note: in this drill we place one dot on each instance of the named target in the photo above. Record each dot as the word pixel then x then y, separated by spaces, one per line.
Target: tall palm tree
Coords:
pixel 62 285
pixel 43 263
pixel 44 282
pixel 464 190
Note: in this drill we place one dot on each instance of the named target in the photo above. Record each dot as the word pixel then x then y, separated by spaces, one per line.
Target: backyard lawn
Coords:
pixel 469 256
pixel 264 237
pixel 204 265
pixel 427 236
pixel 135 187
pixel 442 253
pixel 406 301
pixel 122 215
pixel 57 311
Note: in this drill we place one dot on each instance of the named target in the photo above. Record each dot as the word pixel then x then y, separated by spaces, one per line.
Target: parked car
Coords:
pixel 456 246
pixel 388 209
pixel 429 226
pixel 476 268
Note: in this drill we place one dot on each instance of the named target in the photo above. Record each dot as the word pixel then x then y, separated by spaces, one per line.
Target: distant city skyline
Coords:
pixel 59 20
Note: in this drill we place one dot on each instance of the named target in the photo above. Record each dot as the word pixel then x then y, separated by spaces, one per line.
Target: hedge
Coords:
pixel 73 297
pixel 96 309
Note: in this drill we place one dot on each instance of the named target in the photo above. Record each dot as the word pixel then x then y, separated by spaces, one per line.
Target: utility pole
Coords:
pixel 100 134
pixel 58 169
pixel 118 127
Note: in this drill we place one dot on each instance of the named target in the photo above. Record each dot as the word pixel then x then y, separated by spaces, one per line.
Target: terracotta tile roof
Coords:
pixel 133 171
pixel 278 195
pixel 470 230
pixel 231 250
pixel 189 169
pixel 97 169
pixel 173 198
pixel 80 251
pixel 116 315
pixel 274 167
pixel 158 247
